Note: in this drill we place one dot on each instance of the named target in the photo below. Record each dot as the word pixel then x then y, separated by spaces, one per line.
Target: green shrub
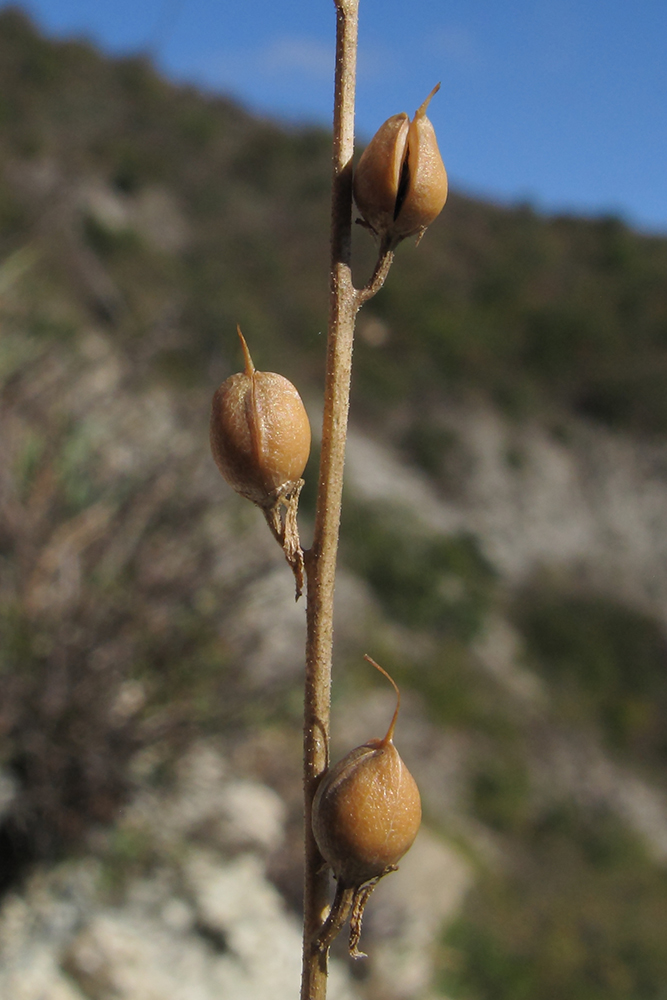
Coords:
pixel 605 663
pixel 422 580
pixel 577 913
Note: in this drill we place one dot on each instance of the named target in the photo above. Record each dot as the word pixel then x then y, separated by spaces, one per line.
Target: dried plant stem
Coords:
pixel 320 560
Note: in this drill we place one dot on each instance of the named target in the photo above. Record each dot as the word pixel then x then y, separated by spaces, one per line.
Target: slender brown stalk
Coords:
pixel 344 303
pixel 321 558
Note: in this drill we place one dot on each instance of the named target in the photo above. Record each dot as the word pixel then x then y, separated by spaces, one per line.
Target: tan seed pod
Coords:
pixel 260 434
pixel 400 184
pixel 366 814
pixel 378 174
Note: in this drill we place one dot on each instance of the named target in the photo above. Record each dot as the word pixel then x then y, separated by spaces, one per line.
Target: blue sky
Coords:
pixel 562 103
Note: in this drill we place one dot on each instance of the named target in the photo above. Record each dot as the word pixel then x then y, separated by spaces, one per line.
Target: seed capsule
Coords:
pixel 366 814
pixel 260 434
pixel 400 184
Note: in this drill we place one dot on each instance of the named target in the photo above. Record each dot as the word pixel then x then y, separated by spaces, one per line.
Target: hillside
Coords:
pixel 504 555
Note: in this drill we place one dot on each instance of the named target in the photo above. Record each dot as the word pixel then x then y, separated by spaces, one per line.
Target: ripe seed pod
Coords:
pixel 400 184
pixel 366 814
pixel 260 434
pixel 367 810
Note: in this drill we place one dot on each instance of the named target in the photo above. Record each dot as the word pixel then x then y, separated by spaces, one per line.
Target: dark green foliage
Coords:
pixel 580 914
pixel 427 445
pixel 500 790
pixel 110 242
pixel 425 581
pixel 605 664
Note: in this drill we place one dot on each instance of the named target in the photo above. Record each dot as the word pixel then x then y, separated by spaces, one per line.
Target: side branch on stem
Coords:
pixel 385 260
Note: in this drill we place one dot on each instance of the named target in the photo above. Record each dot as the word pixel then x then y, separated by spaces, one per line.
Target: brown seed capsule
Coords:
pixel 366 814
pixel 400 184
pixel 260 434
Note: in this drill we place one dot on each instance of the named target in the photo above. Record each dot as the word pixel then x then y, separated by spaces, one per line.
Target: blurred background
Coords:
pixel 164 174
